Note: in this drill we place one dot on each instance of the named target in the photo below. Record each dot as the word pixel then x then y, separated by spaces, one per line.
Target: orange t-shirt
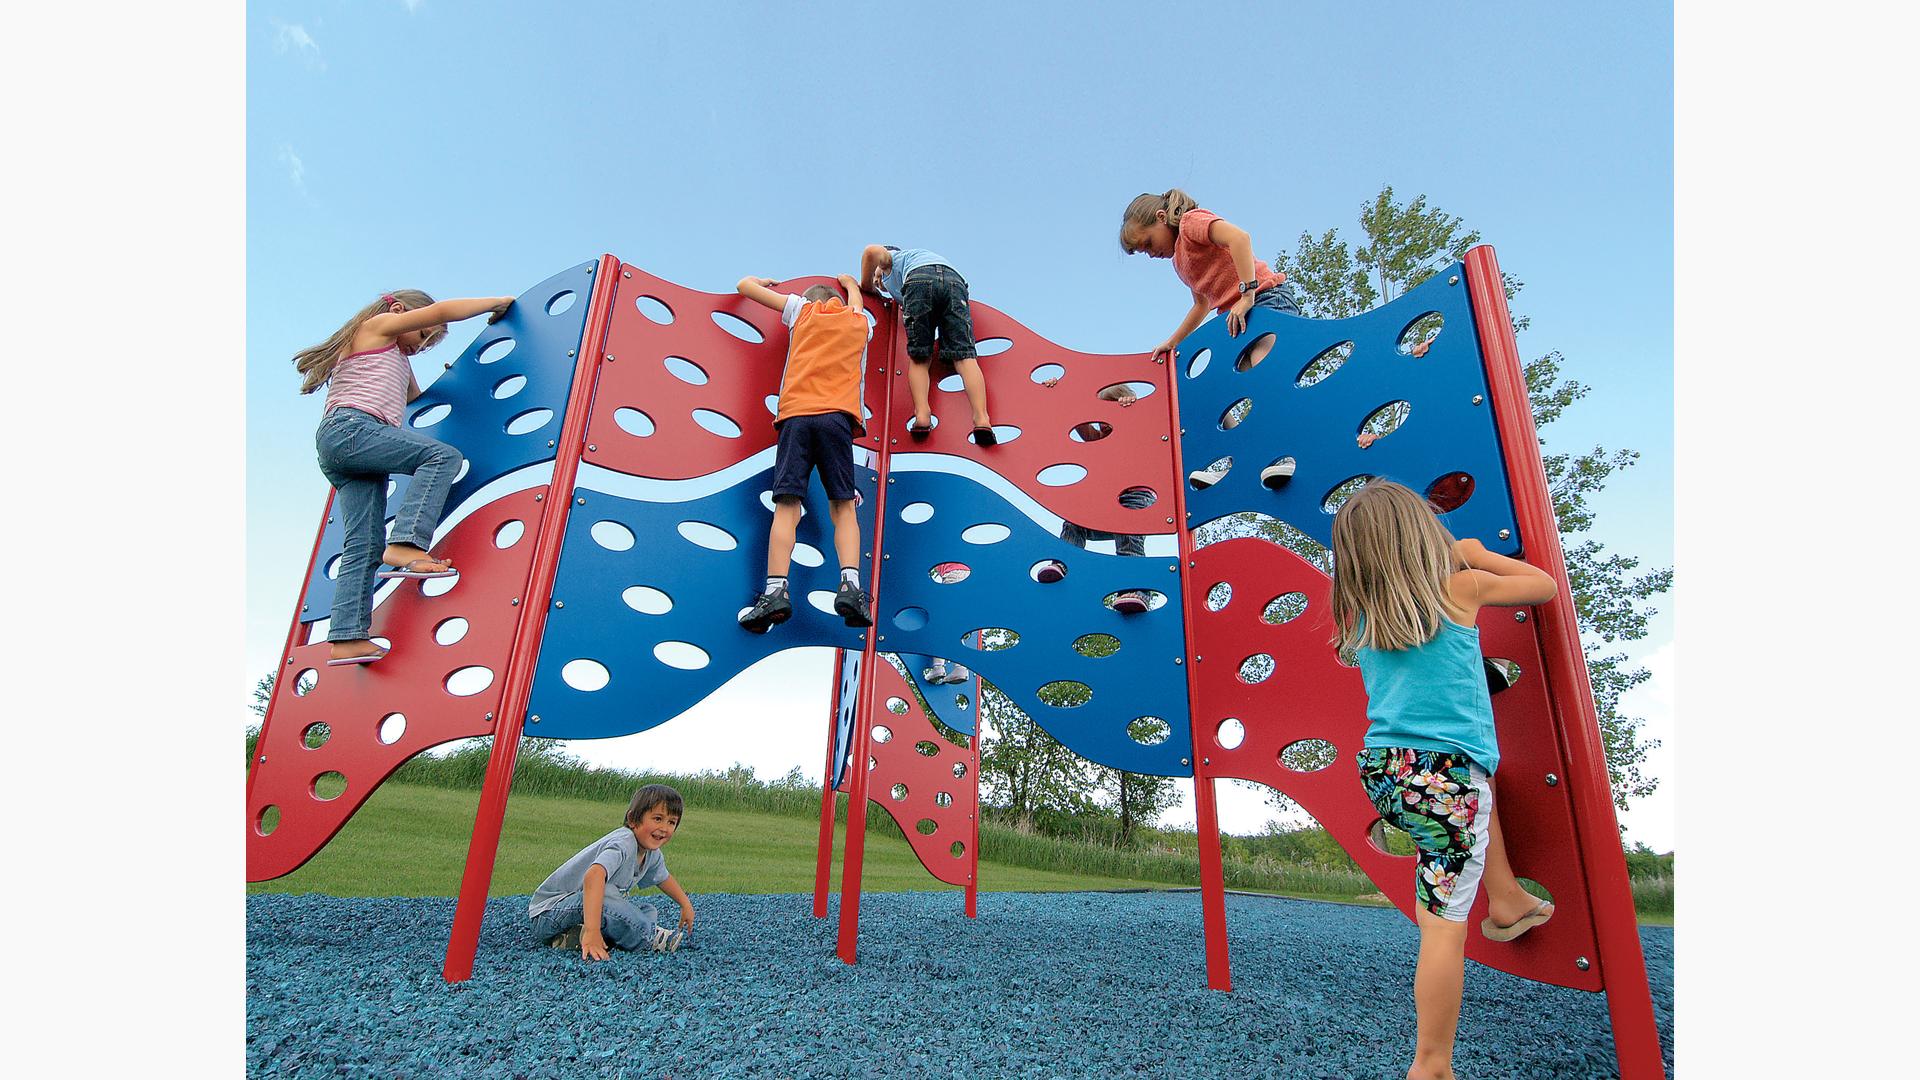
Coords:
pixel 1207 268
pixel 826 361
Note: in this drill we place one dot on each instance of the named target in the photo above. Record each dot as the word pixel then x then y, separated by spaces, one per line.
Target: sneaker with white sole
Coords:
pixel 570 939
pixel 1202 479
pixel 1131 602
pixel 1051 571
pixel 667 940
pixel 1276 475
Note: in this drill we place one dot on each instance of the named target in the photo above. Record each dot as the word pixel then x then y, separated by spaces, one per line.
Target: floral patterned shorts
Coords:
pixel 1443 800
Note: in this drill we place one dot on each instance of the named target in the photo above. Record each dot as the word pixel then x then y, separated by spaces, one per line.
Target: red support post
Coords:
pixel 485 844
pixel 1636 1035
pixel 855 847
pixel 285 663
pixel 823 866
pixel 973 849
pixel 1206 819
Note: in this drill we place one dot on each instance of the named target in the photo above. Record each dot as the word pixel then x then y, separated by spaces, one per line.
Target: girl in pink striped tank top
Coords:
pixel 361 442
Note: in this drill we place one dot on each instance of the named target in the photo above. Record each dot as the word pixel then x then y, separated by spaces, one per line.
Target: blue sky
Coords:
pixel 474 149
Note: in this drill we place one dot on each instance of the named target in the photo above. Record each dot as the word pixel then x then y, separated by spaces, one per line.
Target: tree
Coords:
pixel 1025 771
pixel 1404 245
pixel 1138 799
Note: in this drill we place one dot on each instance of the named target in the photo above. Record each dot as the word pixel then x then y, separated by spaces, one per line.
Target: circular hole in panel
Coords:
pixel 268 820
pixel 1308 755
pixel 385 643
pixel 611 535
pixel 711 537
pixel 647 600
pixel 439 586
pixel 496 351
pixel 988 533
pixel 992 346
pixel 1005 433
pixel 681 654
pixel 822 601
pixel 466 465
pixel 1230 734
pixel 1450 492
pixel 1284 608
pixel 897 706
pixel 1257 668
pixel 468 681
pixel 1065 694
pixel 738 327
pixel 654 308
pixel 329 786
pixel 1062 475
pixel 882 733
pixel 1419 334
pixel 960 702
pixel 1148 730
pixel 910 618
pixel 332 570
pixel 1341 492
pixel 1215 472
pixel 1219 596
pixel 530 421
pixel 1326 363
pixel 991 639
pixel 686 370
pixel 952 384
pixel 304 682
pixel 915 513
pixel 957 850
pixel 772 402
pixel 950 573
pixel 1140 389
pixel 1501 673
pixel 392 726
pixel 509 533
pixel 1090 431
pixel 871 763
pixel 1139 498
pixel 1198 363
pixel 943 799
pixel 315 736
pixel 1389 839
pixel 808 555
pixel 431 416
pixel 926 826
pixel 585 675
pixel 1245 361
pixel 509 386
pixel 1155 600
pixel 633 422
pixel 926 748
pixel 1386 419
pixel 719 423
pixel 1047 371
pixel 1096 645
pixel 959 770
pixel 899 792
pixel 450 631
pixel 1235 413
pixel 560 303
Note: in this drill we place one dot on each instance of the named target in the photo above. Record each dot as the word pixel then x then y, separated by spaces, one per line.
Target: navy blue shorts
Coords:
pixel 822 441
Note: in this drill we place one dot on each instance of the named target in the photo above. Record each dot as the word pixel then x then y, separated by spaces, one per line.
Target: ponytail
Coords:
pixel 1144 211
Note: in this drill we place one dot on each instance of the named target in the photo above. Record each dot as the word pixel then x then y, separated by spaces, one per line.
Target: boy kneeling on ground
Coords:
pixel 574 906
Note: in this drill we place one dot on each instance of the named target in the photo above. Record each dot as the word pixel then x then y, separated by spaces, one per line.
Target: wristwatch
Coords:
pixel 1249 286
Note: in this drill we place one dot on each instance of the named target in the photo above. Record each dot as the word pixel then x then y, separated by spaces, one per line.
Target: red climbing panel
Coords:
pixel 918 776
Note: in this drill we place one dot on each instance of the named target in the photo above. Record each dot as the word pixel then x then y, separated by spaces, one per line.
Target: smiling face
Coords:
pixel 655 827
pixel 1155 240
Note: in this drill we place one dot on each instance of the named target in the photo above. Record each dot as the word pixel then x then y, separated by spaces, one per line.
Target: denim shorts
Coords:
pixel 821 441
pixel 1444 801
pixel 1278 297
pixel 935 298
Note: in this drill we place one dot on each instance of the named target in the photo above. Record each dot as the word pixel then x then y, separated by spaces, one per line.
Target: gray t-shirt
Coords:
pixel 628 867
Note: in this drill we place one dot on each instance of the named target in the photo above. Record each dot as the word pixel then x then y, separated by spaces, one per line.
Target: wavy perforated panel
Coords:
pixel 921 779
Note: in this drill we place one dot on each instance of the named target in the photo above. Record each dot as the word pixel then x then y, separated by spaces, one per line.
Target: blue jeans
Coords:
pixel 1123 543
pixel 623 923
pixel 1278 297
pixel 357 452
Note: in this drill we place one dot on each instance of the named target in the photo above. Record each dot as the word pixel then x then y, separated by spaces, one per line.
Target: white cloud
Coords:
pixel 296 169
pixel 293 37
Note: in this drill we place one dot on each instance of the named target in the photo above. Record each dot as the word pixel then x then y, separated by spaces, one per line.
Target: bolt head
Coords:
pixel 1506 534
pixel 538 498
pixel 1478 398
pixel 1175 566
pixel 580 501
pixel 559 603
pixel 535 718
pixel 1582 963
pixel 609 358
pixel 626 273
pixel 1184 761
pixel 1553 780
pixel 489 716
pixel 516 601
pixel 549 442
pixel 1519 616
pixel 569 352
pixel 592 447
pixel 1453 279
pixel 1179 660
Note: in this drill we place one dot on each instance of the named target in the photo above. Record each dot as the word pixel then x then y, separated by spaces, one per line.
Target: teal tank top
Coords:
pixel 1432 696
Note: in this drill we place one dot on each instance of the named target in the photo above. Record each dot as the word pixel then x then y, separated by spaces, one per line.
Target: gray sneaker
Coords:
pixel 568 940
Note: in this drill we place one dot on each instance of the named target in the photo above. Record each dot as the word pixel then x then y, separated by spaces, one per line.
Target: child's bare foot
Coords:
pixel 353 650
pixel 1419 1071
pixel 408 557
pixel 1510 916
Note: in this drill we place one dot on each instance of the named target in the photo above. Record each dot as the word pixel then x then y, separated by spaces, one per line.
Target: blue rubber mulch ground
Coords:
pixel 1043 985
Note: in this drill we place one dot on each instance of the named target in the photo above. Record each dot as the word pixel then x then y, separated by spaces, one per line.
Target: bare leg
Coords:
pixel 976 387
pixel 1437 982
pixel 786 522
pixel 846 532
pixel 920 384
pixel 1507 902
pixel 1262 345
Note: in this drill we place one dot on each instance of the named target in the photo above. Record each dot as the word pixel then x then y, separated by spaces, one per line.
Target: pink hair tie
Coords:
pixel 388 298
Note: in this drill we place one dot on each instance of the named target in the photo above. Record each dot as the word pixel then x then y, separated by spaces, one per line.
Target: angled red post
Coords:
pixel 855 847
pixel 973 850
pixel 823 865
pixel 485 844
pixel 1636 1036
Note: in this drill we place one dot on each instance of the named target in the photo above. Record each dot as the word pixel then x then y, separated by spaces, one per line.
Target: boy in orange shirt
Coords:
pixel 818 418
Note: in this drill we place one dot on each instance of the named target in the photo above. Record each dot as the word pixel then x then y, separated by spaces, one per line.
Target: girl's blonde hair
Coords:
pixel 1143 211
pixel 315 364
pixel 1391 562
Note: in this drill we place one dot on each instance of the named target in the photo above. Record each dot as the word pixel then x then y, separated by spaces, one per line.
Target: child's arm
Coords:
pixel 391 324
pixel 852 289
pixel 875 262
pixel 1195 314
pixel 679 895
pixel 593 895
pixel 1496 579
pixel 1239 245
pixel 758 290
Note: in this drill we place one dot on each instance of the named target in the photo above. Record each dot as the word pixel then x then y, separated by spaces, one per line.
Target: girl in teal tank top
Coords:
pixel 1405 598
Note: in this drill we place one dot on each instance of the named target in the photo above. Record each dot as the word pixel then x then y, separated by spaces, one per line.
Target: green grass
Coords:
pixel 411 840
